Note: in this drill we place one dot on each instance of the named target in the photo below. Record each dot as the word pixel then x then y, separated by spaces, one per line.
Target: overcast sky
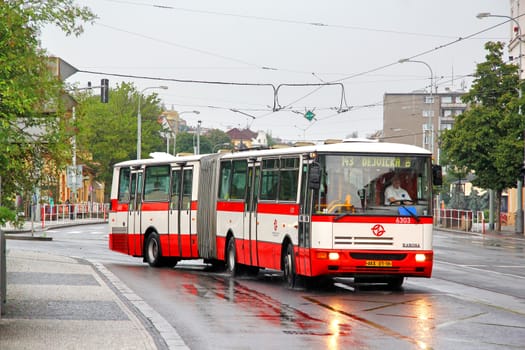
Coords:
pixel 356 45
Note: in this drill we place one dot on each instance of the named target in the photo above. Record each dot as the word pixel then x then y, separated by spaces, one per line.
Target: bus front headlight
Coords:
pixel 333 256
pixel 421 257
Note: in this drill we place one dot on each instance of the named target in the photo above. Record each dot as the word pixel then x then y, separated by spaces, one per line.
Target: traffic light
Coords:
pixel 104 90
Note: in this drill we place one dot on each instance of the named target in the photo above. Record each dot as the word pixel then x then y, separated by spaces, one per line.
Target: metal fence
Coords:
pixel 459 219
pixel 65 213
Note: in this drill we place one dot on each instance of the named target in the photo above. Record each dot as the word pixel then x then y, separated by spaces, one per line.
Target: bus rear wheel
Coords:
pixel 153 251
pixel 290 275
pixel 232 267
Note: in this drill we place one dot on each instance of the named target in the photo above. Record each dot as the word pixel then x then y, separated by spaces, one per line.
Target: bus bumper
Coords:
pixel 365 263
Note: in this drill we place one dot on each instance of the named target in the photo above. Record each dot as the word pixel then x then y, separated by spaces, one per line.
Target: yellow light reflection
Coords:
pixel 333 340
pixel 423 326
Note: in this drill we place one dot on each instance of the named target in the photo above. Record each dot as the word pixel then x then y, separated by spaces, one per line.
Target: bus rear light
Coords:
pixel 421 257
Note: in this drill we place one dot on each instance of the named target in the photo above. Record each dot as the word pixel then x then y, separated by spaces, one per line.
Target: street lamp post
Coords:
pixel 139 118
pixel 430 124
pixel 519 185
pixel 197 135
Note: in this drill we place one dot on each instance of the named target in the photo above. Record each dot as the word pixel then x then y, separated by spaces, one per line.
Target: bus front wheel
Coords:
pixel 290 276
pixel 153 251
pixel 395 283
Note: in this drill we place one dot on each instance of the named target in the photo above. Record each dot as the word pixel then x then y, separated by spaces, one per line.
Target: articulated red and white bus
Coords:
pixel 310 211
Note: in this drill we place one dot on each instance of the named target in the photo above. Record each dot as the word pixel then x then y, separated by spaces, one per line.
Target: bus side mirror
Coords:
pixel 314 176
pixel 437 175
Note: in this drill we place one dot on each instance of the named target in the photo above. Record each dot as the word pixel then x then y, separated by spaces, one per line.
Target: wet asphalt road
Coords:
pixel 475 299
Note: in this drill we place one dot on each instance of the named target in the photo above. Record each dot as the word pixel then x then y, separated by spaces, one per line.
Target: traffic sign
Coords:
pixel 74 177
pixel 309 115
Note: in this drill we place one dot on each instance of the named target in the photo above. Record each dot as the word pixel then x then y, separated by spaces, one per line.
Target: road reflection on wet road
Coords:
pixel 261 309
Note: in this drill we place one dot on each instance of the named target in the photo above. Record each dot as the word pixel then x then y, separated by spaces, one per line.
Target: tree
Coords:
pixel 185 142
pixel 209 143
pixel 271 140
pixel 31 110
pixel 107 132
pixel 487 138
pixel 218 139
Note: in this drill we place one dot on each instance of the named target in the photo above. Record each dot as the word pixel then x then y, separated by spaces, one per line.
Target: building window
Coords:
pixel 429 99
pixel 427 134
pixel 427 113
pixel 446 126
pixel 447 113
pixel 446 99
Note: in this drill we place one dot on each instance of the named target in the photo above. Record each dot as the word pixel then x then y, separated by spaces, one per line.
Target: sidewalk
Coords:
pixel 37 229
pixel 56 302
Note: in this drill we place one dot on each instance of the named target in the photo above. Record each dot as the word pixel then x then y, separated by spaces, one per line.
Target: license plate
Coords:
pixel 379 263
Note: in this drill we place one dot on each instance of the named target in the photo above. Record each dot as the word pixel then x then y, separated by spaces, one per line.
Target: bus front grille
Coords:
pixel 360 240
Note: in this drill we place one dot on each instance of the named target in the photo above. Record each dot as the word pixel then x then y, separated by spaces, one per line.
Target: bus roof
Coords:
pixel 341 147
pixel 346 146
pixel 160 158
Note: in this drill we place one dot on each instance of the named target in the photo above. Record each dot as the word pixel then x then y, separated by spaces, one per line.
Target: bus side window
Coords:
pixel 288 188
pixel 225 180
pixel 156 183
pixel 288 179
pixel 123 185
pixel 239 179
pixel 187 186
pixel 269 179
pixel 270 182
pixel 175 189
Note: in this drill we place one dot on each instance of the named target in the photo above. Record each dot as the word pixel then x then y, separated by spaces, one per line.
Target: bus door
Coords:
pixel 251 256
pixel 180 213
pixel 305 223
pixel 134 213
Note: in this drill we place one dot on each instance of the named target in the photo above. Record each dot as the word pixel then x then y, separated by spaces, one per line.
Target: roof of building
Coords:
pixel 244 134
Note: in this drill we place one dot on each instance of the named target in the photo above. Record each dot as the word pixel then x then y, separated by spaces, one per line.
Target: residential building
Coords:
pixel 247 138
pixel 417 118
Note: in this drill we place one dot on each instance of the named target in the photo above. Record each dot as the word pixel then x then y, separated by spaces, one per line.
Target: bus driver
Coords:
pixel 395 194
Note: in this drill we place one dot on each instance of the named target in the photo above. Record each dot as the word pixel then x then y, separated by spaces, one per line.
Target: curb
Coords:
pixel 27 238
pixel 31 235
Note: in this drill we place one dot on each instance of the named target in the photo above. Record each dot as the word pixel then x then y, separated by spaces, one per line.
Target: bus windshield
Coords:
pixel 374 185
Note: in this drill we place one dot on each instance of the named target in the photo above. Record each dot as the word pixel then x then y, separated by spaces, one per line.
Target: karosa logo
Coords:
pixel 378 230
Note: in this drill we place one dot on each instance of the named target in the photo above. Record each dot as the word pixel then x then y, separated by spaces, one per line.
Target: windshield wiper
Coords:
pixel 412 214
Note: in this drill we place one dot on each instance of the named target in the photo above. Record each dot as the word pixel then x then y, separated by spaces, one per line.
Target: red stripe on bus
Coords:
pixel 230 206
pixel 278 208
pixel 155 206
pixel 120 206
pixel 373 219
pixel 263 208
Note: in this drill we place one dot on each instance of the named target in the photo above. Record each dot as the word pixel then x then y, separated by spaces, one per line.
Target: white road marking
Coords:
pixel 166 331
